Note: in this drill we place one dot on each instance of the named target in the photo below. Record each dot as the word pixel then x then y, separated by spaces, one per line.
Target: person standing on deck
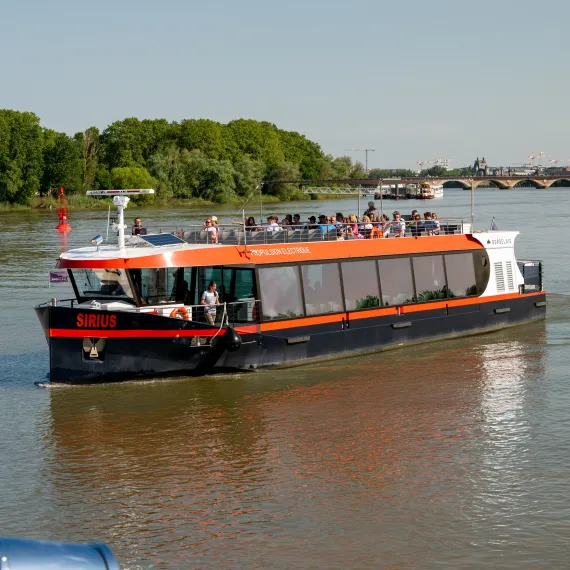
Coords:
pixel 210 299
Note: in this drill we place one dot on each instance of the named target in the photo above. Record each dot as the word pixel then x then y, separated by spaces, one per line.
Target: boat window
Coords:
pixel 234 283
pixel 281 292
pixel 321 285
pixel 160 286
pixel 430 278
pixel 102 284
pixel 205 276
pixel 460 274
pixel 482 269
pixel 360 285
pixel 396 281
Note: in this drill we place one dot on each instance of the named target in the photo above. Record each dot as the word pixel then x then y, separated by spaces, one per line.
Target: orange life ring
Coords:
pixel 376 233
pixel 180 313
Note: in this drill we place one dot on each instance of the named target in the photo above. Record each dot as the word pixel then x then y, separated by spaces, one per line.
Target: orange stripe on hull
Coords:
pixel 144 333
pixel 405 309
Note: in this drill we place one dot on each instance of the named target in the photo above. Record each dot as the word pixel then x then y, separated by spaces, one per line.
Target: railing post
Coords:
pixel 472 206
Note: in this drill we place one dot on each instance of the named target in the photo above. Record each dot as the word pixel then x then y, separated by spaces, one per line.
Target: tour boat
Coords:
pixel 430 191
pixel 286 297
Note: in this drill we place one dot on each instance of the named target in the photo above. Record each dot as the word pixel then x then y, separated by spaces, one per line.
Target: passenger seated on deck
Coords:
pixel 212 236
pixel 137 229
pixel 353 227
pixel 272 225
pixel 339 221
pixel 435 221
pixel 250 224
pixel 429 226
pixel 325 224
pixel 312 225
pixel 415 225
pixel 397 225
pixel 366 226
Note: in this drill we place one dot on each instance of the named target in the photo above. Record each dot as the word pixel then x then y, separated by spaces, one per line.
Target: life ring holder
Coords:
pixel 180 313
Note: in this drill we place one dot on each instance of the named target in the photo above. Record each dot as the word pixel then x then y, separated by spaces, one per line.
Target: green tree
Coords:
pixel 89 145
pixel 434 171
pixel 391 173
pixel 131 142
pixel 283 190
pixel 203 135
pixel 206 178
pixel 256 140
pixel 21 156
pixel 358 171
pixel 342 166
pixel 62 164
pixel 133 177
pixel 248 174
pixel 299 150
pixel 166 166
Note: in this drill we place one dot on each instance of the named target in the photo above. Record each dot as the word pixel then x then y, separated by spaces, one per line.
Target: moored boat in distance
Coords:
pixel 287 297
pixel 429 191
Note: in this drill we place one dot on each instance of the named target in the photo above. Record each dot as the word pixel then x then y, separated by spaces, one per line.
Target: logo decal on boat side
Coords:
pixel 281 251
pixel 96 321
pixel 500 241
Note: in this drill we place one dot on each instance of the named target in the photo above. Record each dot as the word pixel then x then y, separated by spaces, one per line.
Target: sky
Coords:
pixel 412 80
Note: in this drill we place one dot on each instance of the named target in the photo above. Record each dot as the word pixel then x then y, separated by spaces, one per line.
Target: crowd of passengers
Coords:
pixel 373 225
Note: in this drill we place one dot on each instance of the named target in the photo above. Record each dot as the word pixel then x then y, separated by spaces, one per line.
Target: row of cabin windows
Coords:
pixel 321 288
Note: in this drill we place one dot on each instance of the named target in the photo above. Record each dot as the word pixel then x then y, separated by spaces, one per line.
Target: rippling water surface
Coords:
pixel 446 455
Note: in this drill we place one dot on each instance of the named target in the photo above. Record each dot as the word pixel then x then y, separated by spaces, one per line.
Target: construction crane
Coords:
pixel 365 151
pixel 536 155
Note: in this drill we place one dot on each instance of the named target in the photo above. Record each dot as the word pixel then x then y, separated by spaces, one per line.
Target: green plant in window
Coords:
pixel 471 290
pixel 288 315
pixel 368 302
pixel 443 293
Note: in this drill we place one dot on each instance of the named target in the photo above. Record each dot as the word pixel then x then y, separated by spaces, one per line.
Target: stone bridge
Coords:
pixel 504 182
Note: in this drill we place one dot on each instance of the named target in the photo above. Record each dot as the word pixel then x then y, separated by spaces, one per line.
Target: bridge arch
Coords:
pixel 456 184
pixel 532 182
pixel 495 183
pixel 561 183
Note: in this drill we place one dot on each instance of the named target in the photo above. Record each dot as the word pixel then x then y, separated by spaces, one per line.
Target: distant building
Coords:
pixel 480 167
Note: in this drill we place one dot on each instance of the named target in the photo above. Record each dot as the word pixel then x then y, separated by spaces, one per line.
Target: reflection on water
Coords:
pixel 443 455
pixel 349 459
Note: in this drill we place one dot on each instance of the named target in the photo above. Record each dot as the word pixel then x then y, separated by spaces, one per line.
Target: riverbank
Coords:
pixel 143 202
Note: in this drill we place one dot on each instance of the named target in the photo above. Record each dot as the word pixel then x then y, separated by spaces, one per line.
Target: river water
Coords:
pixel 445 455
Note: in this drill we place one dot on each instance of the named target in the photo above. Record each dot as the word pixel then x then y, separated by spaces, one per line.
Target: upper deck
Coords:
pixel 236 246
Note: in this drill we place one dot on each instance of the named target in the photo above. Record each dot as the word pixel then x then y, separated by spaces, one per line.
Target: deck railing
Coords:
pixel 266 235
pixel 235 312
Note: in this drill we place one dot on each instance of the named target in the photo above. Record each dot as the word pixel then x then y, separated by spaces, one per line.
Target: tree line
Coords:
pixel 190 159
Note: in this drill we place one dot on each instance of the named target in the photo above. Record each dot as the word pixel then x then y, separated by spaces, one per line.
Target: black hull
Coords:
pixel 139 345
pixel 140 357
pixel 322 342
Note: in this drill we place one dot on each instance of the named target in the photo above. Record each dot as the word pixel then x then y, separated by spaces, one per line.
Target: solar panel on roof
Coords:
pixel 158 240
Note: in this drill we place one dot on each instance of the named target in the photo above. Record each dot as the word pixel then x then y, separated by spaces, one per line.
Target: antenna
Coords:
pixel 365 151
pixel 120 200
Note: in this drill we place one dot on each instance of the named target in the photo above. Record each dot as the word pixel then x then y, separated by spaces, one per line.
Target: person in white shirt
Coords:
pixel 397 225
pixel 210 299
pixel 212 230
pixel 272 225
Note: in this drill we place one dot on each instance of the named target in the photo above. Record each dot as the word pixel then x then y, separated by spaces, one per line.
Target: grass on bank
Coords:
pixel 82 202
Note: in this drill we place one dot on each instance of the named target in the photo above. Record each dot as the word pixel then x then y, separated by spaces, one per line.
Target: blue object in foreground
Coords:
pixel 23 554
